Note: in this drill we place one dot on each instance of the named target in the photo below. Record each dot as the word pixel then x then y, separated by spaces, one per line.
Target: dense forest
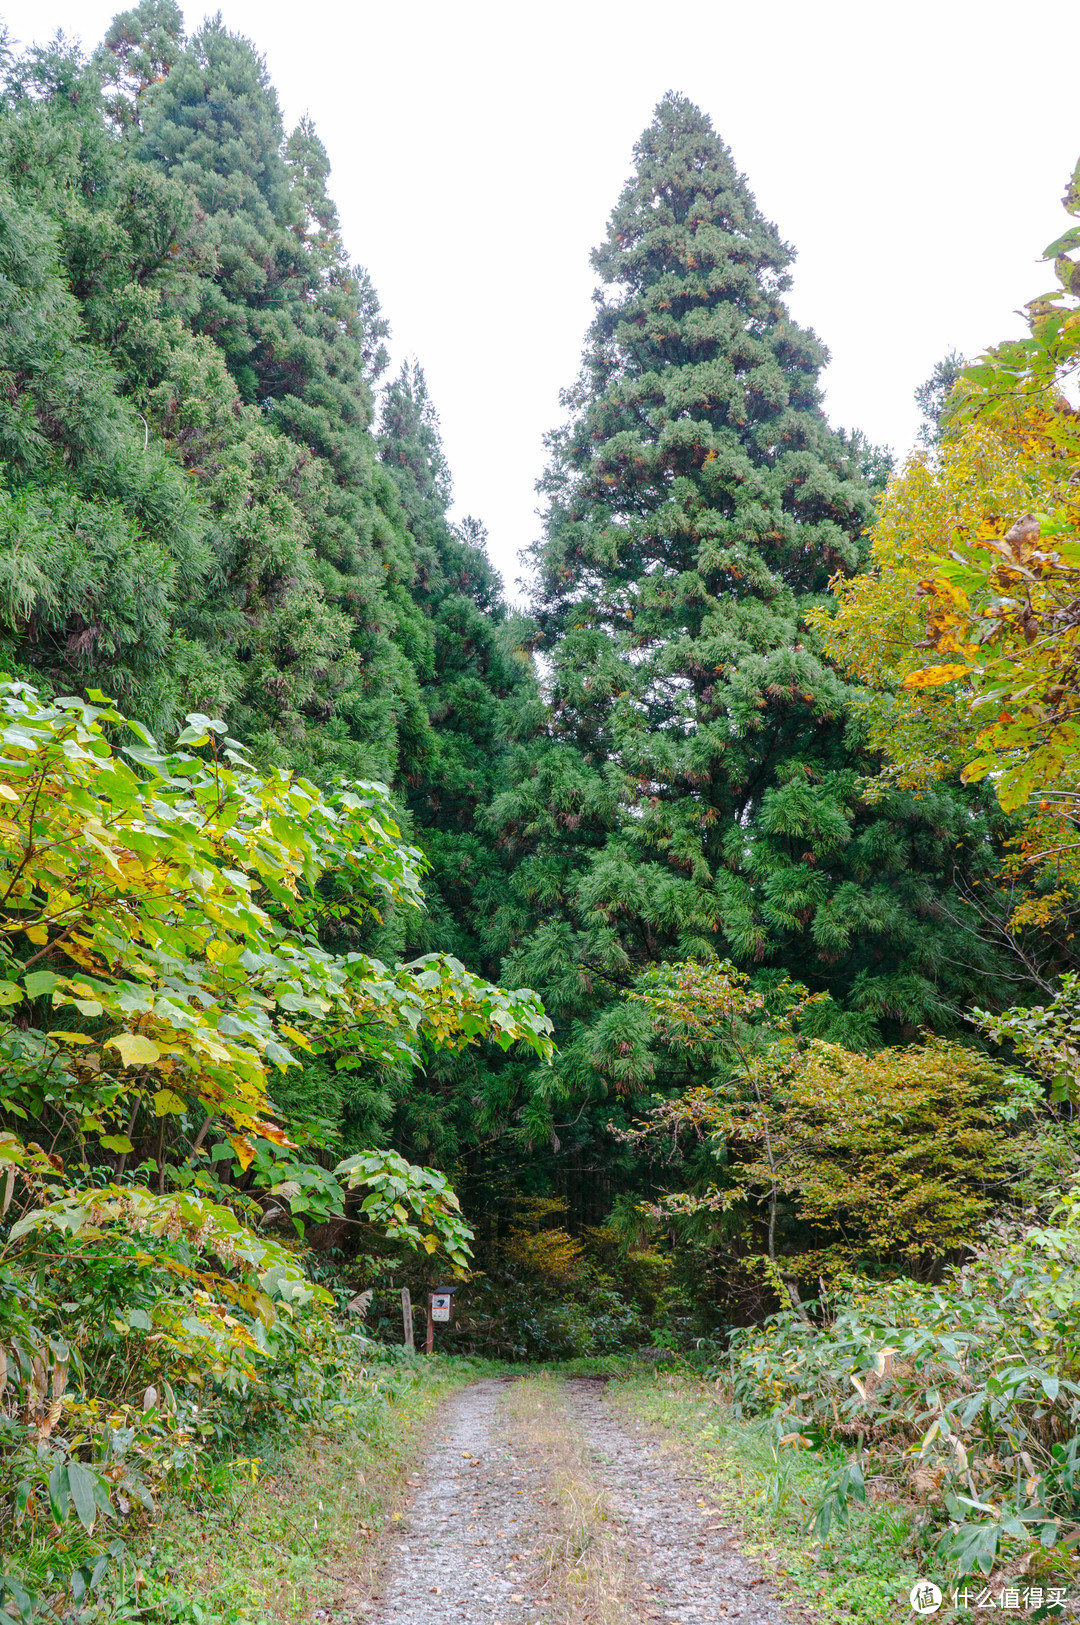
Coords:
pixel 685 961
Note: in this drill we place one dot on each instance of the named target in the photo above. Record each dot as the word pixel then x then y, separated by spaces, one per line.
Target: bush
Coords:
pixel 964 1396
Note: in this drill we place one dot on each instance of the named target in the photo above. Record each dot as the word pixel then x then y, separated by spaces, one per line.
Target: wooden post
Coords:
pixel 406 1316
pixel 429 1341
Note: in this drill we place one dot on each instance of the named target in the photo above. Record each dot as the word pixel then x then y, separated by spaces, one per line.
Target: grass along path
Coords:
pixel 858 1576
pixel 521 1500
pixel 292 1537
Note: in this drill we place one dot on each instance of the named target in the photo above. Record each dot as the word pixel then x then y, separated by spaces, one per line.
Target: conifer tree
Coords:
pixel 300 330
pixel 215 353
pixel 105 553
pixel 702 790
pixel 478 689
pixel 473 663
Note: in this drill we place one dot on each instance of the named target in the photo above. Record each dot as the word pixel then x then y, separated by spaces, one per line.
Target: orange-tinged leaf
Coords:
pixel 245 1151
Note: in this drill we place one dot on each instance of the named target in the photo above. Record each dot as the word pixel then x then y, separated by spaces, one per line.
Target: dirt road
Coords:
pixel 539 1505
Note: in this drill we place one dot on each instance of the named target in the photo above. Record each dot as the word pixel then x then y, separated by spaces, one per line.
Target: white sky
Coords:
pixel 914 155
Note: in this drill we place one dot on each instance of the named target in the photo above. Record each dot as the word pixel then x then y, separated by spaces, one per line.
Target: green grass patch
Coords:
pixel 859 1573
pixel 269 1538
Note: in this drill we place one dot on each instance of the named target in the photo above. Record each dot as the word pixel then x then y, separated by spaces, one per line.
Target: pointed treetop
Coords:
pixel 686 208
pixel 409 434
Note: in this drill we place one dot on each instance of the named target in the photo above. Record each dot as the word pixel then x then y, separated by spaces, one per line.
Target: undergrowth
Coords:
pixel 266 1538
pixel 272 1540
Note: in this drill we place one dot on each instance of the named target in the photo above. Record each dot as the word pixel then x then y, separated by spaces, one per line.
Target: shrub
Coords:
pixel 963 1395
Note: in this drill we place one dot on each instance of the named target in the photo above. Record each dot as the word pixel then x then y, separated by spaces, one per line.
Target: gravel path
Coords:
pixel 466 1550
pixel 462 1553
pixel 693 1568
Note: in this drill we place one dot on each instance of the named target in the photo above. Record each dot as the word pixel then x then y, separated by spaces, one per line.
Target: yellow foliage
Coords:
pixel 972 556
pixel 554 1255
pixel 982 480
pixel 890 1155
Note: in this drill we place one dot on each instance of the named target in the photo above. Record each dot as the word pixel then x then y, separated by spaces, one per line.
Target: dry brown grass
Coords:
pixel 586 1575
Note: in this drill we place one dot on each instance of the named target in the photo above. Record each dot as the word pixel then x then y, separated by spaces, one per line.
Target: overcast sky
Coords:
pixel 915 156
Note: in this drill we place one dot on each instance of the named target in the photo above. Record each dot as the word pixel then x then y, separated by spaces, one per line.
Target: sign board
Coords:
pixel 442 1304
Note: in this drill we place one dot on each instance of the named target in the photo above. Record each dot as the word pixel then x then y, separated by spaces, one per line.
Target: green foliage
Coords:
pixel 545 1294
pixel 821 1157
pixel 932 397
pixel 1046 1035
pixel 191 358
pixel 701 793
pixel 754 1470
pixel 966 1391
pixel 394 1188
pixel 159 943
pixel 159 863
pixel 899 1155
pixel 218 989
pixel 698 503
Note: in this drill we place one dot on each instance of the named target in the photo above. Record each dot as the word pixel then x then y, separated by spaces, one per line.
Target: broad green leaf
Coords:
pixel 81 1484
pixel 135 1050
pixel 38 982
pixel 59 1494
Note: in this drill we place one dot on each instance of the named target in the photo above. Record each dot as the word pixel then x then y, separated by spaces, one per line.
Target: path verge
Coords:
pixel 857 1576
pixel 291 1539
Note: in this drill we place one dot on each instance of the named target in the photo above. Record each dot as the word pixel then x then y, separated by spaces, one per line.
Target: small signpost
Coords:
pixel 441 1308
pixel 406 1316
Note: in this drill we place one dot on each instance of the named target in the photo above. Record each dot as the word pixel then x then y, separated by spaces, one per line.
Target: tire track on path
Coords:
pixel 462 1553
pixel 691 1564
pixel 471 1543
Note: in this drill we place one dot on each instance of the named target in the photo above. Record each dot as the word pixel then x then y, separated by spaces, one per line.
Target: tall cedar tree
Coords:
pixel 702 788
pixel 176 283
pixel 477 683
pixel 298 328
pixel 194 509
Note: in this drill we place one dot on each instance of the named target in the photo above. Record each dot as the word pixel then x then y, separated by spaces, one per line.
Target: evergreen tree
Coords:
pixel 932 397
pixel 140 47
pixel 479 692
pixel 300 331
pixel 476 672
pixel 210 340
pixel 105 552
pixel 702 790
